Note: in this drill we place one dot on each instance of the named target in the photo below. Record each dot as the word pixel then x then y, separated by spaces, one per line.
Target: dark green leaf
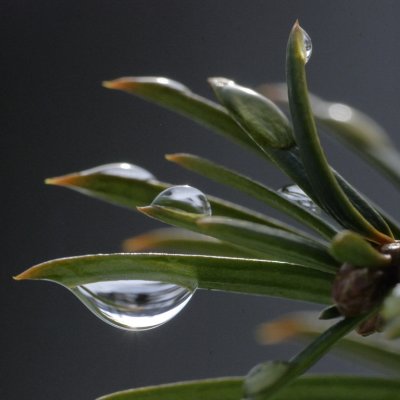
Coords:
pixel 181 240
pixel 261 130
pixel 263 381
pixel 358 127
pixel 305 326
pixel 212 389
pixel 219 273
pixel 269 243
pixel 307 388
pixel 132 193
pixel 288 159
pixel 274 243
pixel 323 181
pixel 340 388
pixel 260 118
pixel 256 190
pixel 186 220
pixel 348 246
pixel 365 206
pixel 177 97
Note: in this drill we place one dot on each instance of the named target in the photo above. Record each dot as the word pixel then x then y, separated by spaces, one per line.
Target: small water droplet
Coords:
pixel 134 305
pixel 185 198
pixel 296 194
pixel 307 45
pixel 123 170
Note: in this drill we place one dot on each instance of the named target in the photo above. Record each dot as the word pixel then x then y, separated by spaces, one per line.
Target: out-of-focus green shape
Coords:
pixel 354 128
pixel 288 159
pixel 376 146
pixel 177 97
pixel 182 240
pixel 391 313
pixel 265 123
pixel 266 242
pixel 134 192
pixel 266 134
pixel 374 349
pixel 350 247
pixel 264 382
pixel 256 190
pixel 322 179
pixel 306 388
pixel 241 275
pixel 274 243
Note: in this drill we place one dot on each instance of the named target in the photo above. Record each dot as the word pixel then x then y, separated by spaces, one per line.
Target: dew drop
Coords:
pixel 296 194
pixel 185 198
pixel 123 170
pixel 307 45
pixel 135 305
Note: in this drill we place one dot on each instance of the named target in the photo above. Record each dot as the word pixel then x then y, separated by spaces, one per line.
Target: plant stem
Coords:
pixel 297 365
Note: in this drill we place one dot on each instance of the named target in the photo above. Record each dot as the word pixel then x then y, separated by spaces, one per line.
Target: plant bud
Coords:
pixel 371 325
pixel 357 291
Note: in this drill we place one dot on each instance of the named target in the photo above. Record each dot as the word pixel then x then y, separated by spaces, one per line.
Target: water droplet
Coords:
pixel 185 198
pixel 134 305
pixel 123 170
pixel 307 45
pixel 296 194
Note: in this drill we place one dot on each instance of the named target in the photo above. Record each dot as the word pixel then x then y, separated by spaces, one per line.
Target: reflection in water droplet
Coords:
pixel 123 170
pixel 134 305
pixel 185 198
pixel 307 45
pixel 296 194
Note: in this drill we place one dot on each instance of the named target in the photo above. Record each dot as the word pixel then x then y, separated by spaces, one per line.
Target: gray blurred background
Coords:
pixel 58 119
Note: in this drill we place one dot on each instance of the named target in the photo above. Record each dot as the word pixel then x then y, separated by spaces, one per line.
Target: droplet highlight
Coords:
pixel 123 170
pixel 340 112
pixel 160 80
pixel 296 194
pixel 185 198
pixel 307 45
pixel 135 305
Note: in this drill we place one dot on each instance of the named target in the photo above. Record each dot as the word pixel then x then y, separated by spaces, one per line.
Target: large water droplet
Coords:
pixel 134 305
pixel 307 45
pixel 296 194
pixel 123 170
pixel 185 198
